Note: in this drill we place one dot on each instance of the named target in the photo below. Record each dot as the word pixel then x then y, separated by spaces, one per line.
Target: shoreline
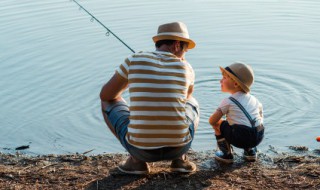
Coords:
pixel 299 169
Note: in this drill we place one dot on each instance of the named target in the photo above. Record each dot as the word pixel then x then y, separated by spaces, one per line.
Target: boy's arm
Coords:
pixel 215 118
pixel 261 110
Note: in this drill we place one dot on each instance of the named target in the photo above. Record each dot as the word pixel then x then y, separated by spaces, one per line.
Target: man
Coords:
pixel 163 116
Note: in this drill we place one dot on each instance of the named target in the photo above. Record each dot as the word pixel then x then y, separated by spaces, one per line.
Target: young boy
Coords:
pixel 243 126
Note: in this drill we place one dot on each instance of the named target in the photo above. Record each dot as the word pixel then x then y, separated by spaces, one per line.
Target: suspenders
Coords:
pixel 252 121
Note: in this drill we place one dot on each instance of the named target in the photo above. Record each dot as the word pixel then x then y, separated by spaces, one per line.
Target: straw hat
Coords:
pixel 241 73
pixel 174 31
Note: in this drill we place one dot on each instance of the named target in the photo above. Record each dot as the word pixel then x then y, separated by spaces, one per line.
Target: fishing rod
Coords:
pixel 108 30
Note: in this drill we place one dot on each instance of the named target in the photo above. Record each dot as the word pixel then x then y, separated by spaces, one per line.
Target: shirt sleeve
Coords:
pixel 123 69
pixel 224 106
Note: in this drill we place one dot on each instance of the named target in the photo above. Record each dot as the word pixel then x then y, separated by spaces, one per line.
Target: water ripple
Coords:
pixel 54 62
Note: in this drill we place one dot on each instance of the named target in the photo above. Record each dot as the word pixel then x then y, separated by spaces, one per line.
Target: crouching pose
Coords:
pixel 162 118
pixel 243 127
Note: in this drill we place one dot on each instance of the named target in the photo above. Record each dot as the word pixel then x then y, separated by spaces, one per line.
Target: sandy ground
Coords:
pixel 298 169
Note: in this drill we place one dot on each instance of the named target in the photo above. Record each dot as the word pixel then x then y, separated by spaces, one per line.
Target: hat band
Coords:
pixel 184 35
pixel 228 69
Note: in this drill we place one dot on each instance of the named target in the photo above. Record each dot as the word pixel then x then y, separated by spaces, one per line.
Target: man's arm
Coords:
pixel 113 88
pixel 190 91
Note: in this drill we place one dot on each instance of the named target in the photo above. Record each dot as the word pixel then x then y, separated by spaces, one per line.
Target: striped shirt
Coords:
pixel 158 86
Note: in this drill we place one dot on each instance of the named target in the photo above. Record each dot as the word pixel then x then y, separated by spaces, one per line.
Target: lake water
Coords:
pixel 54 61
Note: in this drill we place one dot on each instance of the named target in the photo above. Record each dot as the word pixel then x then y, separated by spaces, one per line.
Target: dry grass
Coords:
pixel 79 171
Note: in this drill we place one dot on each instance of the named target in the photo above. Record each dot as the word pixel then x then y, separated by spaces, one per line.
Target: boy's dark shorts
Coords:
pixel 241 136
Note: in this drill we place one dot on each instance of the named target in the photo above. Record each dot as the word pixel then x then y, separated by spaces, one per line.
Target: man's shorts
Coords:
pixel 118 115
pixel 241 136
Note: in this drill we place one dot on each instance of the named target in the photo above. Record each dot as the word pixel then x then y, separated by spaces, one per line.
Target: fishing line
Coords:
pixel 93 18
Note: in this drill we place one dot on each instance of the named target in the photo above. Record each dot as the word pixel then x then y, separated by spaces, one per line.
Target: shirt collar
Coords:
pixel 165 53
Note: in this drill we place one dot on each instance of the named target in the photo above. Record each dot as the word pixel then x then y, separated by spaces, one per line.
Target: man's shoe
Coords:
pixel 225 158
pixel 183 165
pixel 250 154
pixel 132 166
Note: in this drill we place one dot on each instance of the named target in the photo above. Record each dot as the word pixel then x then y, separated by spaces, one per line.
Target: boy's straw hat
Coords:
pixel 241 73
pixel 174 31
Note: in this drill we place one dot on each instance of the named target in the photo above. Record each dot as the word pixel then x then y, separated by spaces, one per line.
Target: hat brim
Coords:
pixel 191 43
pixel 242 86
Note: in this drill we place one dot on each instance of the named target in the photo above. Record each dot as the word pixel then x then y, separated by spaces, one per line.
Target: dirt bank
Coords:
pixel 277 171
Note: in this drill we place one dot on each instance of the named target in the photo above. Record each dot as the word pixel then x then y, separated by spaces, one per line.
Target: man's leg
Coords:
pixel 116 115
pixel 182 163
pixel 105 106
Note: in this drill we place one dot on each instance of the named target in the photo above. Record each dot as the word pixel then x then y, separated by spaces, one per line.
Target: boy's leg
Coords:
pixel 225 153
pixel 216 127
pixel 246 138
pixel 250 154
pixel 116 115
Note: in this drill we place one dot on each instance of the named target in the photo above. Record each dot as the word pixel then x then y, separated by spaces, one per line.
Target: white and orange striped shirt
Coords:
pixel 158 86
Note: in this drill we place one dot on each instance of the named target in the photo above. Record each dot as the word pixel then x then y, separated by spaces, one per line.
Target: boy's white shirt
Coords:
pixel 235 115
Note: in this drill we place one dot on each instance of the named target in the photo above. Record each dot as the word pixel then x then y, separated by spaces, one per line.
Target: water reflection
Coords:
pixel 54 62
